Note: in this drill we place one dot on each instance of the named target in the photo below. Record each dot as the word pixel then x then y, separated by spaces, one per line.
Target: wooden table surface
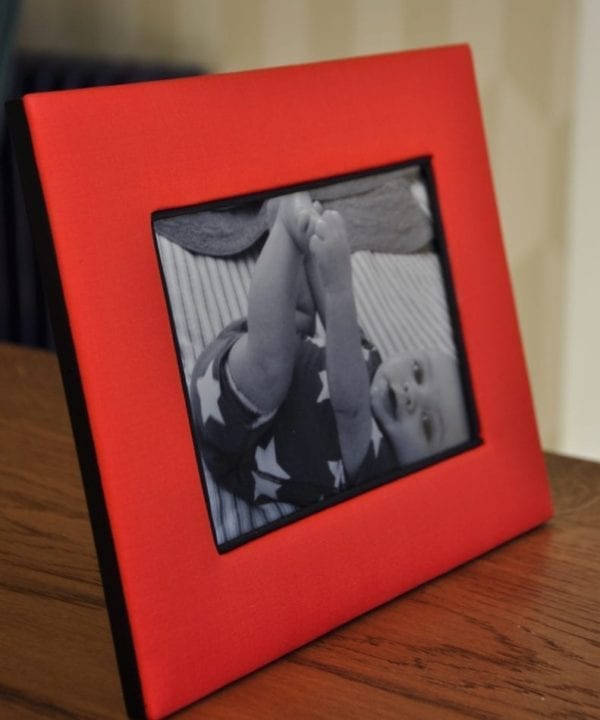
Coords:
pixel 514 634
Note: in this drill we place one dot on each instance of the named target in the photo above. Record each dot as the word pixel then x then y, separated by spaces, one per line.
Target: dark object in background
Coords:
pixel 23 315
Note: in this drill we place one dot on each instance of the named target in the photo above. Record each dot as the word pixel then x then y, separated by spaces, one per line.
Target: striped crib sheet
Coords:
pixel 401 305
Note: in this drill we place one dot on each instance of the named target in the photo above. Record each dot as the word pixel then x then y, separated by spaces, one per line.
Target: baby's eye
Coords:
pixel 417 372
pixel 427 425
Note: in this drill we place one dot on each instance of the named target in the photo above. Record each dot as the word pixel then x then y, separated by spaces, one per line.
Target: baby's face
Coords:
pixel 418 402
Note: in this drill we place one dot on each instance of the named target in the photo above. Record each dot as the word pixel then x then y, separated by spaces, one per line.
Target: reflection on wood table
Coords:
pixel 514 634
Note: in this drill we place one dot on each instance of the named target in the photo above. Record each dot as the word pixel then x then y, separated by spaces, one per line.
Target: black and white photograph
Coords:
pixel 318 341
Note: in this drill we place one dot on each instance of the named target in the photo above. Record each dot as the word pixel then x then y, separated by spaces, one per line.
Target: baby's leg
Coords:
pixel 346 369
pixel 262 361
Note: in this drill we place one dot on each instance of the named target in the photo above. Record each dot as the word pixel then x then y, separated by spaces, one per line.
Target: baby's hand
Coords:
pixel 298 215
pixel 330 252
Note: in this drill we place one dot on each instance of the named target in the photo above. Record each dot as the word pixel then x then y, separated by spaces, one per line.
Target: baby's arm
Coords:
pixel 346 368
pixel 261 362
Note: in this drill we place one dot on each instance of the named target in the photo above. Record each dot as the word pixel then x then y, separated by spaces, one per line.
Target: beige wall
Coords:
pixel 524 54
pixel 580 408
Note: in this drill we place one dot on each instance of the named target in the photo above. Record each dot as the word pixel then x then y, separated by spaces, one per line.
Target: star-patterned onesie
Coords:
pixel 290 455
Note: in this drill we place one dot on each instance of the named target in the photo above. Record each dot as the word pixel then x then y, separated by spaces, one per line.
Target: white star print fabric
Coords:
pixel 291 456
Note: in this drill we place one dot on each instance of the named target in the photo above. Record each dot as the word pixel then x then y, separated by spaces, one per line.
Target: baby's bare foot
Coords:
pixel 330 226
pixel 297 214
pixel 331 252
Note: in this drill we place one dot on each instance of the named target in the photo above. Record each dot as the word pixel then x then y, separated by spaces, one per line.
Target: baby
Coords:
pixel 284 415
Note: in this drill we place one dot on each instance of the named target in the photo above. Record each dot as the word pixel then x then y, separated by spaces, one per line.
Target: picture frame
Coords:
pixel 189 616
pixel 405 309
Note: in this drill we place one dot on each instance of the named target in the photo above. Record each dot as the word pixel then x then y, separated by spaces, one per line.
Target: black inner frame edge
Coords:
pixel 103 539
pixel 424 163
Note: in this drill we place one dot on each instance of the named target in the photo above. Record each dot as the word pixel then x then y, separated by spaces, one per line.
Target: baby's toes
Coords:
pixel 272 208
pixel 329 225
pixel 314 244
pixel 334 217
pixel 302 220
pixel 313 219
pixel 321 227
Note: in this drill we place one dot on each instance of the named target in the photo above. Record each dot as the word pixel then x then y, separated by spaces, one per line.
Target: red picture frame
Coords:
pixel 405 305
pixel 96 164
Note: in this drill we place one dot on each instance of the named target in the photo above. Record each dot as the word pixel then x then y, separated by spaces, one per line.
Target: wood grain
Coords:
pixel 514 634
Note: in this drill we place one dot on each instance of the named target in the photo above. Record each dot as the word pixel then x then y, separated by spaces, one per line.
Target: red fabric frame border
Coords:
pixel 107 159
